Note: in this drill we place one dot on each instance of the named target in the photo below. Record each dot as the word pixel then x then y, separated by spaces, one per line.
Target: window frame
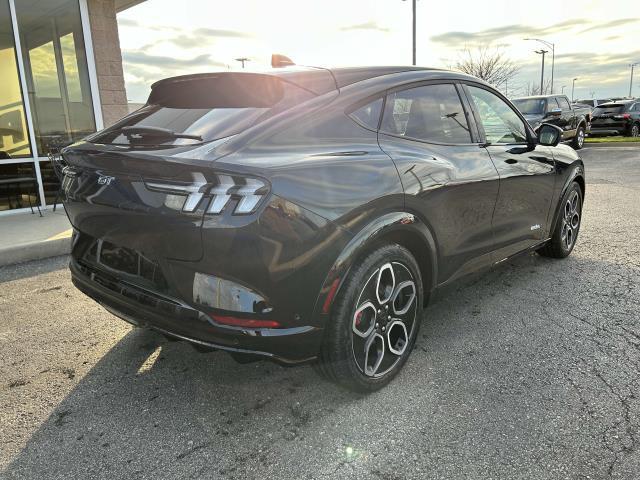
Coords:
pixel 473 132
pixel 482 134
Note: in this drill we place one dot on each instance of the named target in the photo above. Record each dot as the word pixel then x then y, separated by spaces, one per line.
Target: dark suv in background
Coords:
pixel 617 118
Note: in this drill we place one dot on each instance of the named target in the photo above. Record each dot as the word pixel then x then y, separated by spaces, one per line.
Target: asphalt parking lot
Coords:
pixel 531 371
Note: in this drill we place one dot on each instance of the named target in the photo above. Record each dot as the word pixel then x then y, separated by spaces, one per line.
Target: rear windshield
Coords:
pixel 204 109
pixel 531 106
pixel 608 109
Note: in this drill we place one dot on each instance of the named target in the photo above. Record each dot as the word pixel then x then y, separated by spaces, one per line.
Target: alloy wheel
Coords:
pixel 570 220
pixel 580 137
pixel 384 319
pixel 635 131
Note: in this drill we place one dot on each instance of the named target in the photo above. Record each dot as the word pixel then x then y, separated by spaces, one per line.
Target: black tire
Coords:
pixel 338 360
pixel 559 246
pixel 578 139
pixel 634 130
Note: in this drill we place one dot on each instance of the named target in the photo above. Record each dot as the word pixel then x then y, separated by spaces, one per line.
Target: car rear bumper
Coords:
pixel 173 317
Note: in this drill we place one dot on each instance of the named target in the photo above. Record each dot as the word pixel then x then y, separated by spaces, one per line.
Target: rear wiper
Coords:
pixel 156 132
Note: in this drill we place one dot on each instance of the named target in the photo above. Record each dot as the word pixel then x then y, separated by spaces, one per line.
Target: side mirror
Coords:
pixel 554 112
pixel 549 135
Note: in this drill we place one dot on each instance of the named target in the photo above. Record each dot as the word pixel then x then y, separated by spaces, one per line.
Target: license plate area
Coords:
pixel 126 263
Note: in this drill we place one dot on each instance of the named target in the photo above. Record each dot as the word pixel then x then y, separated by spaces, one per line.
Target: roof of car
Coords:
pixel 538 97
pixel 617 102
pixel 317 79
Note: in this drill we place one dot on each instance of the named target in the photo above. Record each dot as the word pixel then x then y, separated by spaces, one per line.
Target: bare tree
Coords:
pixel 489 64
pixel 533 88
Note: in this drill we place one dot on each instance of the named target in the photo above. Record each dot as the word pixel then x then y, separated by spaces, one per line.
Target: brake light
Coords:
pixel 249 193
pixel 187 196
pixel 245 322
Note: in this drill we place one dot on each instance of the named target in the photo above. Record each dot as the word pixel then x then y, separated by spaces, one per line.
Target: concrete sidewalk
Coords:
pixel 25 237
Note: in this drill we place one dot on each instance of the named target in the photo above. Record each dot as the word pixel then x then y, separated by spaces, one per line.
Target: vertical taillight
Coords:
pixel 246 192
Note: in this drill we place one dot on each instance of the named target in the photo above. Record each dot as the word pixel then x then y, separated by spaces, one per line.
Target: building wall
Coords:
pixel 108 58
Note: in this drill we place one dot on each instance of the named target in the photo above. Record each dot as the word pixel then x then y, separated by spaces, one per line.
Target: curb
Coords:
pixel 34 251
pixel 612 144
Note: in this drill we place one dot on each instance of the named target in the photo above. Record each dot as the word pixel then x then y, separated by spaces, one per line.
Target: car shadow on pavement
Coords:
pixel 150 401
pixel 503 344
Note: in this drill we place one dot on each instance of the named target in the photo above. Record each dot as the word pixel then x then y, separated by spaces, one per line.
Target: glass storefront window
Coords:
pixel 14 139
pixel 56 71
pixel 50 183
pixel 18 187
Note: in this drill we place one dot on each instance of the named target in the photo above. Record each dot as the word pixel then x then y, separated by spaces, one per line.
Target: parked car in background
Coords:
pixel 309 214
pixel 617 118
pixel 593 103
pixel 574 120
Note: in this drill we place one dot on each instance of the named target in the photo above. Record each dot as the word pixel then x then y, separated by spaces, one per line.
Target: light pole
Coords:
pixel 563 87
pixel 573 87
pixel 542 52
pixel 552 46
pixel 414 29
pixel 242 60
pixel 631 80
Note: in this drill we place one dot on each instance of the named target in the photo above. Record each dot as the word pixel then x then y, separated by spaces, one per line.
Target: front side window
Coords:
pixel 564 104
pixel 431 113
pixel 552 104
pixel 501 124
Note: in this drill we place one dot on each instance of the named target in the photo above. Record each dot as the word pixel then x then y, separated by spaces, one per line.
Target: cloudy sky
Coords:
pixel 594 38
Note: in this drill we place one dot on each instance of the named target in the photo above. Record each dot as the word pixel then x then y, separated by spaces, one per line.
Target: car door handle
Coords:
pixel 511 161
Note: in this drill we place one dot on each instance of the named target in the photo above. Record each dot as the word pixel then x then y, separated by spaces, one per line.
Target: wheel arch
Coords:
pixel 402 228
pixel 576 175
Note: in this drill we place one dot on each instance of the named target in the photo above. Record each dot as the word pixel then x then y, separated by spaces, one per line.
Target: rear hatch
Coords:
pixel 609 116
pixel 143 184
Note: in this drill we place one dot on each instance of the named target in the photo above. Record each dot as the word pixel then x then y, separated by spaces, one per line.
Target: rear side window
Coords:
pixel 552 104
pixel 202 109
pixel 432 113
pixel 368 115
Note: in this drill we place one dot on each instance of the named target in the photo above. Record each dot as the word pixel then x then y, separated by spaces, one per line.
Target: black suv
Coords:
pixel 307 214
pixel 617 118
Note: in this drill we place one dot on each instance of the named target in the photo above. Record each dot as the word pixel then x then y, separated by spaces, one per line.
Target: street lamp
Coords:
pixel 542 52
pixel 552 46
pixel 414 29
pixel 242 60
pixel 573 87
pixel 631 81
pixel 563 87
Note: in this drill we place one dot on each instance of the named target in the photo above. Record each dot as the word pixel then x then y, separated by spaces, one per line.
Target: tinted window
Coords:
pixel 369 115
pixel 608 109
pixel 552 103
pixel 635 108
pixel 210 108
pixel 530 106
pixel 431 113
pixel 501 124
pixel 564 104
